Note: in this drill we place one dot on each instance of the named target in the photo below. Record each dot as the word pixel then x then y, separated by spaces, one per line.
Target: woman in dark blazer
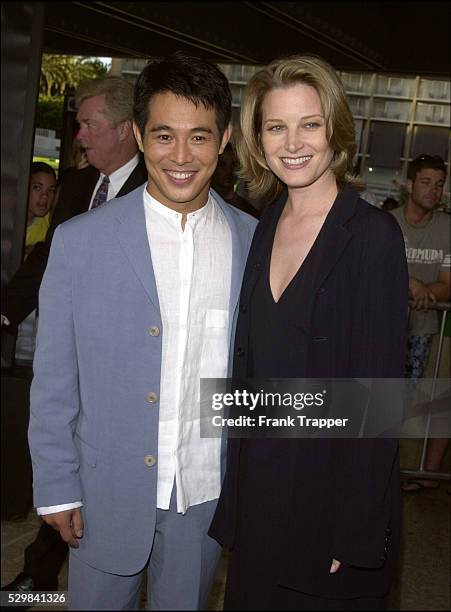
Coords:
pixel 312 523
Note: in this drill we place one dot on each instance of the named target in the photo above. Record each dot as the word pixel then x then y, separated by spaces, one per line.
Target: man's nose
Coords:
pixel 79 133
pixel 182 153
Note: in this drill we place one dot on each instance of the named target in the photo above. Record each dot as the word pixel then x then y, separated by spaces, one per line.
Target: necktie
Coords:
pixel 101 193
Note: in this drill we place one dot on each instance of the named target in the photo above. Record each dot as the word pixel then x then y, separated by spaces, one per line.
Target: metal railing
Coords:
pixel 444 307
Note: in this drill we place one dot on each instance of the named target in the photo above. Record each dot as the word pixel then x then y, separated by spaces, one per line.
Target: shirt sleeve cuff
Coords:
pixel 60 508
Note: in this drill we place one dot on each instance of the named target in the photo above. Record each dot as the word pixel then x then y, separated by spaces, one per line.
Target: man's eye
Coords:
pixel 199 138
pixel 164 137
pixel 36 187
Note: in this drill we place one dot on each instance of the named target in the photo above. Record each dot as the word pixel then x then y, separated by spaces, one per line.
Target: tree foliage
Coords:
pixel 62 73
pixel 49 113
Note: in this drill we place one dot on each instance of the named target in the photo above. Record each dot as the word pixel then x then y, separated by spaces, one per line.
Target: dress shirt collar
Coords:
pixel 119 176
pixel 172 215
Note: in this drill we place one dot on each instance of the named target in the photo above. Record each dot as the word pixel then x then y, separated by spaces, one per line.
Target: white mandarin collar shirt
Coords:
pixel 117 179
pixel 193 270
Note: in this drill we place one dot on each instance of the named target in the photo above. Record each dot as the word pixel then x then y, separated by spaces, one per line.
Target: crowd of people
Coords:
pixel 166 279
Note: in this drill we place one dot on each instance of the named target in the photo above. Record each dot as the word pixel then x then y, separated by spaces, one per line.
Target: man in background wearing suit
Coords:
pixel 105 113
pixel 138 303
pixel 105 118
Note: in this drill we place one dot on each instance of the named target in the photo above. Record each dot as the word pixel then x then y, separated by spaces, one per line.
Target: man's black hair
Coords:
pixel 186 76
pixel 425 162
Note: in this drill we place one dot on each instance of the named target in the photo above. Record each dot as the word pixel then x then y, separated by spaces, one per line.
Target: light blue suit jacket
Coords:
pixel 91 424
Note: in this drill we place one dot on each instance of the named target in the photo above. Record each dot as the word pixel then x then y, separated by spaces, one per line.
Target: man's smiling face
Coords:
pixel 181 144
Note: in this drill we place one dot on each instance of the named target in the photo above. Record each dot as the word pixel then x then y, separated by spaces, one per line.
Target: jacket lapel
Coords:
pixel 261 247
pixel 327 250
pixel 136 178
pixel 132 235
pixel 334 235
pixel 81 188
pixel 240 244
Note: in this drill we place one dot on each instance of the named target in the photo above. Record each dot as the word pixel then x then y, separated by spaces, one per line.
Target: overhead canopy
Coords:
pixel 390 37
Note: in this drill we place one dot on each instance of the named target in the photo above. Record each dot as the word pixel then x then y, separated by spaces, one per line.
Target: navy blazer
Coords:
pixel 345 500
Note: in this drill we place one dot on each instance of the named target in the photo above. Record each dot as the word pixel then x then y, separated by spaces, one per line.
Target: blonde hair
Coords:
pixel 118 94
pixel 340 132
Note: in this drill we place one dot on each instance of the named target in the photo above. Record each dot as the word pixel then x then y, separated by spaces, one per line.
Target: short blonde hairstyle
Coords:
pixel 340 131
pixel 118 94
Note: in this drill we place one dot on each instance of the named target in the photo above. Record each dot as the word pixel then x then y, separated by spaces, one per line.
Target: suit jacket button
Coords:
pixel 257 266
pixel 152 397
pixel 321 290
pixel 154 331
pixel 149 460
pixel 239 352
pixel 243 307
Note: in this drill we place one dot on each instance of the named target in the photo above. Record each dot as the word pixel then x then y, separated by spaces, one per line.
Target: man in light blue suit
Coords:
pixel 138 302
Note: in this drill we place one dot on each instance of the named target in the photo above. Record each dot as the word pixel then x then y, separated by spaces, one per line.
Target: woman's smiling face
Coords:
pixel 293 135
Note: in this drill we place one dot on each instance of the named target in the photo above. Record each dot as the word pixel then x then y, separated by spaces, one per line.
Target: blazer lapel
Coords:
pixel 132 235
pixel 334 234
pixel 240 242
pixel 261 247
pixel 84 182
pixel 136 178
pixel 326 252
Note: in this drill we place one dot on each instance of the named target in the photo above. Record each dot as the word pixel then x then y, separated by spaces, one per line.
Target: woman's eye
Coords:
pixel 311 125
pixel 275 128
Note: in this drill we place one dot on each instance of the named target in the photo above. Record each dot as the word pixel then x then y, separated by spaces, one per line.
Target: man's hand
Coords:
pixel 335 566
pixel 69 523
pixel 422 297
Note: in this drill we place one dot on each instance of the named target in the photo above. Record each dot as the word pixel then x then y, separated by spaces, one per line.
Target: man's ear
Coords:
pixel 124 129
pixel 225 138
pixel 138 137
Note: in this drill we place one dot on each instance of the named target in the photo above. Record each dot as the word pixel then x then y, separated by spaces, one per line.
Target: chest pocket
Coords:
pixel 215 345
pixel 216 319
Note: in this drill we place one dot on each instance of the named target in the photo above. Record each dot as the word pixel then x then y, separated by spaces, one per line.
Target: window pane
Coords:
pixel 386 144
pixel 430 140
